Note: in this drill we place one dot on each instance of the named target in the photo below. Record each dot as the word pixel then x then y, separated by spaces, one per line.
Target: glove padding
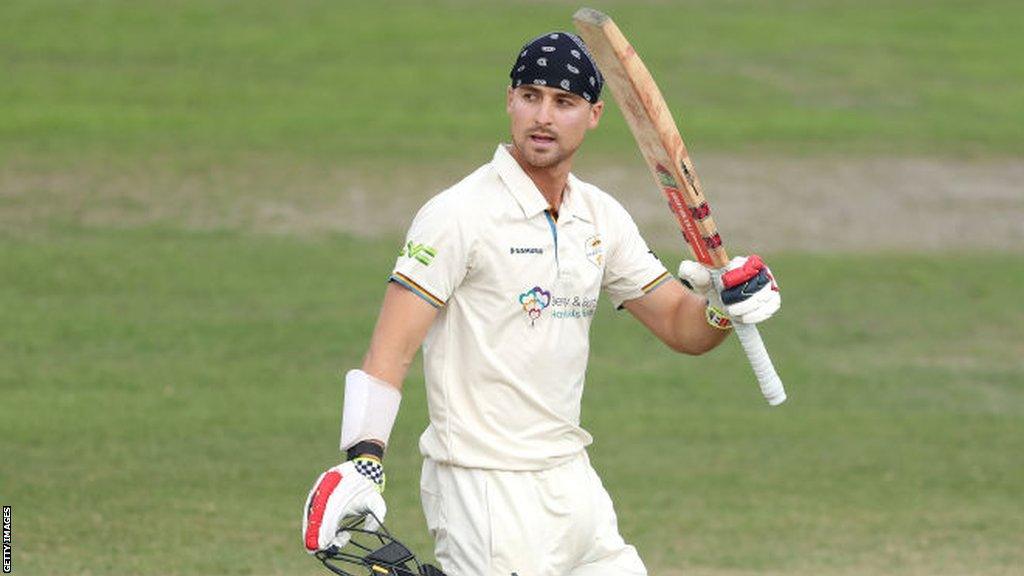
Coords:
pixel 339 492
pixel 744 290
pixel 697 277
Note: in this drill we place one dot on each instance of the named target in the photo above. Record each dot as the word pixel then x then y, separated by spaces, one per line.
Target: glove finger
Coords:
pixel 695 275
pixel 764 312
pixel 751 302
pixel 346 499
pixel 744 290
pixel 377 509
pixel 741 270
pixel 752 306
pixel 341 539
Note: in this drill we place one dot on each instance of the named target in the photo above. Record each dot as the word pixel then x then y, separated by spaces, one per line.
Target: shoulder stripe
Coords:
pixel 416 289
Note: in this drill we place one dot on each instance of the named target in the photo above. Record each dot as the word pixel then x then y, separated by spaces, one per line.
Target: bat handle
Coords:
pixel 767 377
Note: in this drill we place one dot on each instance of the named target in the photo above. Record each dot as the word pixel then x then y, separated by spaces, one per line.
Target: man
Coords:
pixel 499 280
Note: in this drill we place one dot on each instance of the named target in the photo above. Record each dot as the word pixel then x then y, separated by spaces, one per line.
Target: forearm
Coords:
pixel 691 332
pixel 388 363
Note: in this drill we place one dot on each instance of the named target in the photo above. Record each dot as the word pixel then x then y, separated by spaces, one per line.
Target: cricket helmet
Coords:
pixel 369 551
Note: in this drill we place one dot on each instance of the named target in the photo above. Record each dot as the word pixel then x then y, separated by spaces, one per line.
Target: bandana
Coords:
pixel 558 60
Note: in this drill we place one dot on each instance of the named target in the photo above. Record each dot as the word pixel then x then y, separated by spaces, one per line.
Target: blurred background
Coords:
pixel 200 203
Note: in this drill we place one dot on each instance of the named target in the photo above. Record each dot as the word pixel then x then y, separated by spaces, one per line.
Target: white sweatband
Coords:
pixel 371 406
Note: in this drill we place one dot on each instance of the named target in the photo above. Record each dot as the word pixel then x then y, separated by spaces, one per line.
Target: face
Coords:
pixel 548 124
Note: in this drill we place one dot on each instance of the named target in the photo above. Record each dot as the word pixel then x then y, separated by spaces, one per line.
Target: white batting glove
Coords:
pixel 696 276
pixel 699 279
pixel 350 489
pixel 748 290
pixel 744 290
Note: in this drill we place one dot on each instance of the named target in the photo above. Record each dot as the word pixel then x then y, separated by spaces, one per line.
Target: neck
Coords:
pixel 550 180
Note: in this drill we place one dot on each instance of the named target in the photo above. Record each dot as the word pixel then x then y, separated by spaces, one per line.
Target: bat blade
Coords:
pixel 655 131
pixel 662 147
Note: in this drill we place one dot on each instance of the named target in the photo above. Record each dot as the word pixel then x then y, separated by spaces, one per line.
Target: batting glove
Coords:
pixel 743 291
pixel 350 489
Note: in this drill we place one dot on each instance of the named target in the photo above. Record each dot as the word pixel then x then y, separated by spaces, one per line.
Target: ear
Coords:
pixel 508 99
pixel 595 114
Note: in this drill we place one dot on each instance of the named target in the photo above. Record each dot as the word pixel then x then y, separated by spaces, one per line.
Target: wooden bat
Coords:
pixel 658 138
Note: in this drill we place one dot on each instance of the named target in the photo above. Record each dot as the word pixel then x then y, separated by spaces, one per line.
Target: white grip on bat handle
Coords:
pixel 767 378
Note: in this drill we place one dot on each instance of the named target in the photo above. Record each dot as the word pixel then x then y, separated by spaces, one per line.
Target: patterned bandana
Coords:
pixel 558 60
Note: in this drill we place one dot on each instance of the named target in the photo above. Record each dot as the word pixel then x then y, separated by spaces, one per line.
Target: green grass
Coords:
pixel 357 82
pixel 167 397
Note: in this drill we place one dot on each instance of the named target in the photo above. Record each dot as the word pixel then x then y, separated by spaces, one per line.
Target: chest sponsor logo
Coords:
pixel 421 252
pixel 525 250
pixel 535 300
pixel 595 250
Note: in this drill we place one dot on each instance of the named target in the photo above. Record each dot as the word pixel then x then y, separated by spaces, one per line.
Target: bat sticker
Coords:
pixel 665 177
pixel 701 212
pixel 689 178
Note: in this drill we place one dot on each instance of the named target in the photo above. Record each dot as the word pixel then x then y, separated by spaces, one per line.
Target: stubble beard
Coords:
pixel 541 160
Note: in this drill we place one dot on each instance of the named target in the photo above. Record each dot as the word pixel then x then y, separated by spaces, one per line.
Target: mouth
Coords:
pixel 539 138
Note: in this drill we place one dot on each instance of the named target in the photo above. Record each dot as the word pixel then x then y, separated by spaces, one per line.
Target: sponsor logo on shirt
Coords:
pixel 421 252
pixel 518 250
pixel 535 300
pixel 595 250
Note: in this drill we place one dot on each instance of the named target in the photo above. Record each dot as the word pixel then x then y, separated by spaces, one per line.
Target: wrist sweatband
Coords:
pixel 370 409
pixel 365 448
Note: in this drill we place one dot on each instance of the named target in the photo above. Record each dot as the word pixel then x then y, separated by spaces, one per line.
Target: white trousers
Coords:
pixel 557 522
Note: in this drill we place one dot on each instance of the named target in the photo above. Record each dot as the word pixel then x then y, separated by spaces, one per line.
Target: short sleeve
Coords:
pixel 435 257
pixel 631 269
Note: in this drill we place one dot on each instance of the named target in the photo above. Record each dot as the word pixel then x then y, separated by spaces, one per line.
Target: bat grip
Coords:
pixel 767 377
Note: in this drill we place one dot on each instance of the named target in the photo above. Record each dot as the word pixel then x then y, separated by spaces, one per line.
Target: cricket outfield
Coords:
pixel 199 205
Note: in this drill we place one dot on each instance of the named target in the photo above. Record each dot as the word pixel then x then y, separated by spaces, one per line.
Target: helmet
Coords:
pixel 373 552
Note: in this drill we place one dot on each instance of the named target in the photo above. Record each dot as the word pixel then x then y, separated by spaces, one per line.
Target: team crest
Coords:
pixel 595 250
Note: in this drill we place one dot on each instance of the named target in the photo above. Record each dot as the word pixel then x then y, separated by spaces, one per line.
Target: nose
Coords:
pixel 544 111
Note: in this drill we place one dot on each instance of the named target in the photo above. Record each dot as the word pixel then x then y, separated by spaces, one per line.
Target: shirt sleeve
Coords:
pixel 435 257
pixel 632 269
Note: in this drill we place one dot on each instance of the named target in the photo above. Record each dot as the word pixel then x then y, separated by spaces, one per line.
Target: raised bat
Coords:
pixel 658 138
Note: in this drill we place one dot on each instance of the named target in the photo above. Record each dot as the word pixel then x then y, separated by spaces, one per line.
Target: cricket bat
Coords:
pixel 658 138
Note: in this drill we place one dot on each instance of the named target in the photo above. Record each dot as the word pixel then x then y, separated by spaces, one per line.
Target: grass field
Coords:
pixel 170 376
pixel 167 399
pixel 352 81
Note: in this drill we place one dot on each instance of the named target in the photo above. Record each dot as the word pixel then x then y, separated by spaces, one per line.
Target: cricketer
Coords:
pixel 498 282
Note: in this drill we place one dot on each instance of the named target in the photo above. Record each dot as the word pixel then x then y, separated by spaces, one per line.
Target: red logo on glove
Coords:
pixel 317 505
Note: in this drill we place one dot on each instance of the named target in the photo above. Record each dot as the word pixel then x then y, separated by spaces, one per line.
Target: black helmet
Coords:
pixel 372 553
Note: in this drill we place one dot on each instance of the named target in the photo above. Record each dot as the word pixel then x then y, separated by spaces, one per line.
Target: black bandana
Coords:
pixel 558 60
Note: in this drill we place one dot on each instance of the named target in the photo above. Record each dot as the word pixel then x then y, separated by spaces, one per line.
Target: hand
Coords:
pixel 744 289
pixel 350 489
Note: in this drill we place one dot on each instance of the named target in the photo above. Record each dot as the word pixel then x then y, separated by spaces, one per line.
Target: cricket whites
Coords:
pixel 658 137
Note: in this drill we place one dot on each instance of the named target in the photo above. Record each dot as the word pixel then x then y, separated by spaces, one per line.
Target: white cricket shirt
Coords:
pixel 506 358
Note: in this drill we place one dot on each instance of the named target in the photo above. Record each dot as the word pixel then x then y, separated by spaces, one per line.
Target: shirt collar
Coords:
pixel 573 205
pixel 519 184
pixel 528 195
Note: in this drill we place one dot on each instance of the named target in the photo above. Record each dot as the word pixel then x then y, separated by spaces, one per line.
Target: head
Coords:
pixel 553 99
